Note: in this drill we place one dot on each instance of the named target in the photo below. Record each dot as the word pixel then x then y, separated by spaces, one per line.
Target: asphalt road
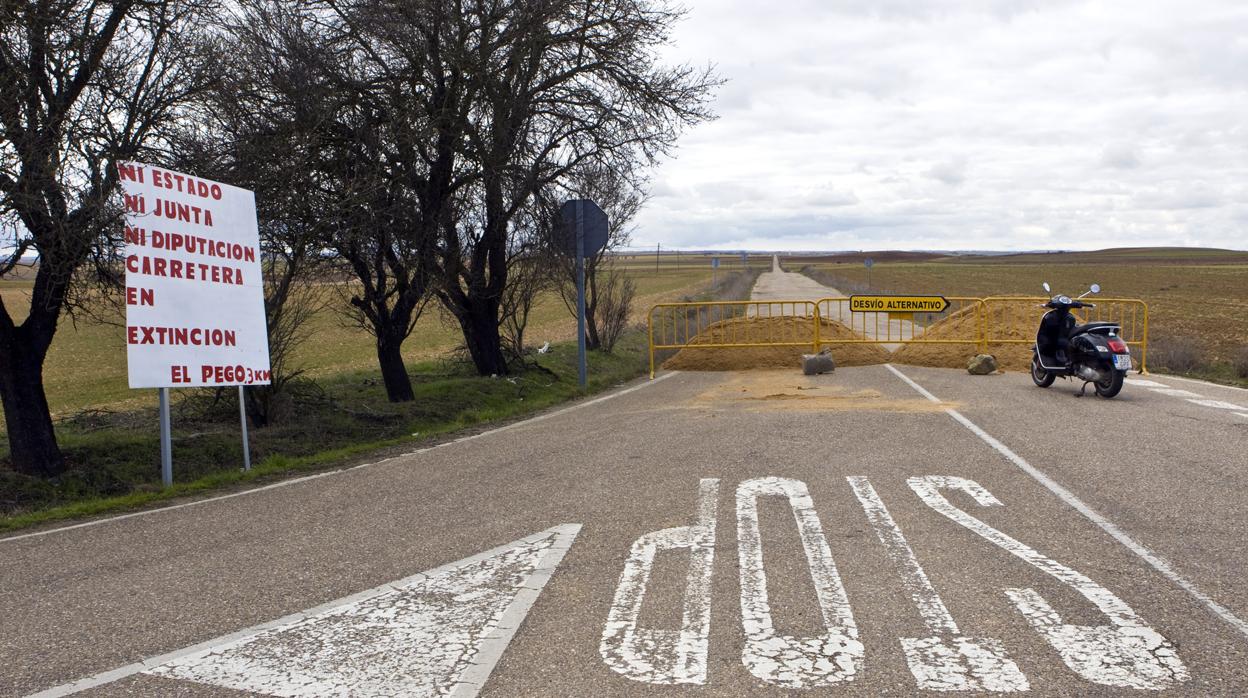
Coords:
pixel 702 534
pixel 779 285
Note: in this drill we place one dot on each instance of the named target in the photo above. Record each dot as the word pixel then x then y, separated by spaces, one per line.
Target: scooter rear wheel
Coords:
pixel 1111 386
pixel 1039 375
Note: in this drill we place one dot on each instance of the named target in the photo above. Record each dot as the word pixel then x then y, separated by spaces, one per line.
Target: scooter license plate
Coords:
pixel 1122 362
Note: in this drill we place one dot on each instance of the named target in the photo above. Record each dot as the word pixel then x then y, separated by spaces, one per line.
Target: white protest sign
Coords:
pixel 194 292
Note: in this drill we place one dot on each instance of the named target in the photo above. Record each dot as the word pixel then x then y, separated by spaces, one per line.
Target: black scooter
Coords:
pixel 1091 352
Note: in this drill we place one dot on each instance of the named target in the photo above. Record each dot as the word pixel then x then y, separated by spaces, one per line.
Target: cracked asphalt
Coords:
pixel 1024 581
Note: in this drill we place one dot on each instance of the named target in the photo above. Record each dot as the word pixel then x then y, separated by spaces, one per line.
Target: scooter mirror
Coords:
pixel 1096 288
pixel 1046 288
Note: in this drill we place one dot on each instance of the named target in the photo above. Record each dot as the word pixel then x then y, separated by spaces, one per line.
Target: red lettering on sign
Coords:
pixel 140 296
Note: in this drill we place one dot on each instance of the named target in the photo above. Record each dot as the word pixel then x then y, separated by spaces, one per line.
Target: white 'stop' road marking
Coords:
pixel 439 632
pixel 293 481
pixel 931 608
pixel 1154 561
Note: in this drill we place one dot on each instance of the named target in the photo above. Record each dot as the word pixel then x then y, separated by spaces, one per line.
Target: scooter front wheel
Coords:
pixel 1111 386
pixel 1039 375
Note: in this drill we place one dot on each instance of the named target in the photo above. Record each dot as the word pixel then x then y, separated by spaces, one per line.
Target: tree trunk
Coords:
pixel 32 440
pixel 479 323
pixel 393 371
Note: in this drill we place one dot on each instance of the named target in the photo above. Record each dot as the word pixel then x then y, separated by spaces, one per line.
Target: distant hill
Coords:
pixel 1116 255
pixel 796 260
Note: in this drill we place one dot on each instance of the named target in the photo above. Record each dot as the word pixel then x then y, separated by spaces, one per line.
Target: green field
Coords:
pixel 86 366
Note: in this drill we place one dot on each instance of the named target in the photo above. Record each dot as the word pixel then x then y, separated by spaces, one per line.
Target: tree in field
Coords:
pixel 334 106
pixel 435 122
pixel 82 85
pixel 554 84
pixel 227 141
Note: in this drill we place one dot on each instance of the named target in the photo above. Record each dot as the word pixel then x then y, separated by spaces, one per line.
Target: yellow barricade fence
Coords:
pixel 981 322
pixel 713 325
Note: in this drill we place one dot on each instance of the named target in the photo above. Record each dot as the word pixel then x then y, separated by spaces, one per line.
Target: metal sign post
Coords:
pixel 166 441
pixel 585 232
pixel 868 263
pixel 714 269
pixel 242 414
pixel 582 370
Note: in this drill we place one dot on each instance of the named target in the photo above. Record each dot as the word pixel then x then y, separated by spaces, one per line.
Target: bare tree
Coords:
pixel 352 95
pixel 530 274
pixel 82 85
pixel 556 83
pixel 227 143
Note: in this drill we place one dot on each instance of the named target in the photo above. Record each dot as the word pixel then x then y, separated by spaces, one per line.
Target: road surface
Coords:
pixel 879 530
pixel 779 285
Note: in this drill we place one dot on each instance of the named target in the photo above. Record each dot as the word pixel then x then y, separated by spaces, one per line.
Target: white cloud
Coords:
pixel 1121 156
pixel 962 124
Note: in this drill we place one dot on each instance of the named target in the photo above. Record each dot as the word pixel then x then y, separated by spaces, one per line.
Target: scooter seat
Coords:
pixel 1089 327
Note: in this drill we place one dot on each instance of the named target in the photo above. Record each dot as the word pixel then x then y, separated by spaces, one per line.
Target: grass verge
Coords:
pixel 114 456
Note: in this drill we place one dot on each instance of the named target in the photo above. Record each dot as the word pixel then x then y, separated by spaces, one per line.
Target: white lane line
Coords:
pixel 1175 392
pixel 1218 404
pixel 663 656
pixel 305 478
pixel 948 661
pixel 470 669
pixel 1155 561
pixel 1126 653
pixel 1145 383
pixel 832 657
pixel 1200 382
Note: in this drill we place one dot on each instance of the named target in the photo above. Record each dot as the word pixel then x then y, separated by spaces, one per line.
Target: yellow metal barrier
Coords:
pixel 911 328
pixel 1006 316
pixel 711 325
pixel 981 322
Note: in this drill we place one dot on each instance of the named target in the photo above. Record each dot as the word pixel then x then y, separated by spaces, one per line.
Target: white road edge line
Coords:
pixel 1167 376
pixel 471 681
pixel 1155 561
pixel 305 478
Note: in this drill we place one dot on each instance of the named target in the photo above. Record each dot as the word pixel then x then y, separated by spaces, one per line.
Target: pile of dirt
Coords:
pixel 963 324
pixel 763 329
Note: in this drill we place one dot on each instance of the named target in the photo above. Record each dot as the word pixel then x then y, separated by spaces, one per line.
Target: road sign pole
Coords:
pixel 166 442
pixel 242 415
pixel 581 369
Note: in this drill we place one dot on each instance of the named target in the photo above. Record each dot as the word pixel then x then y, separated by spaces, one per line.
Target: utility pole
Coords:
pixel 657 251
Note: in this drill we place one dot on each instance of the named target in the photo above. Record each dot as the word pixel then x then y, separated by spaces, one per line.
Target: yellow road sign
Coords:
pixel 898 304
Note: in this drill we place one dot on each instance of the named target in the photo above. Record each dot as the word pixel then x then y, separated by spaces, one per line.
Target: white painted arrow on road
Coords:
pixel 436 633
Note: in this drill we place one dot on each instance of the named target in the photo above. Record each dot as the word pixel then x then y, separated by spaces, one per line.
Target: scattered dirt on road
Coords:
pixel 761 329
pixel 782 390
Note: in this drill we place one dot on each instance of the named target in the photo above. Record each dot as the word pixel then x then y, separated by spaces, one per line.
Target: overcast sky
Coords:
pixel 961 124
